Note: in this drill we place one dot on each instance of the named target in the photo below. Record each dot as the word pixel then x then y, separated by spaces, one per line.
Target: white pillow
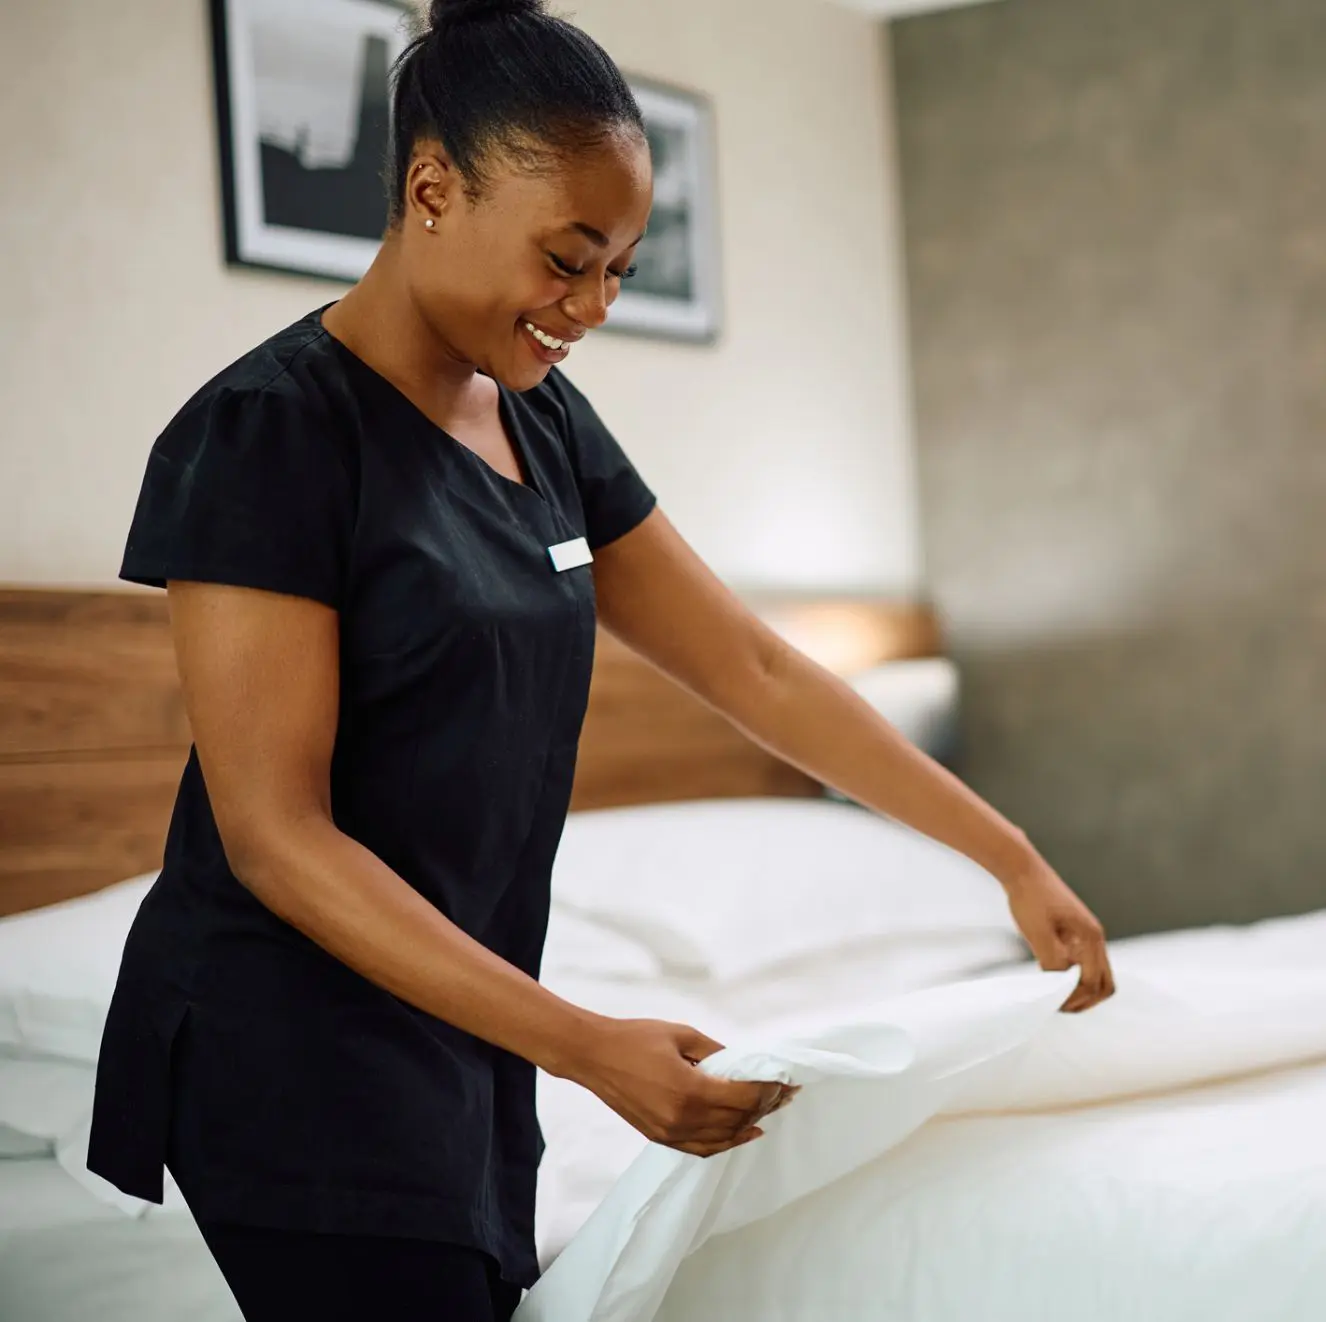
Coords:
pixel 58 968
pixel 726 888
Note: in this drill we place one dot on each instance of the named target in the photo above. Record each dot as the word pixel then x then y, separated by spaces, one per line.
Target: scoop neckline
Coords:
pixel 510 426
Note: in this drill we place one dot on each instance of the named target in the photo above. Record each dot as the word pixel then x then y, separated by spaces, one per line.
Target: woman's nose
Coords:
pixel 588 305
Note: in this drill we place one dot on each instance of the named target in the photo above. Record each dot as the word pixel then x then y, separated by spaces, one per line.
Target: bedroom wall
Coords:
pixel 1115 214
pixel 784 453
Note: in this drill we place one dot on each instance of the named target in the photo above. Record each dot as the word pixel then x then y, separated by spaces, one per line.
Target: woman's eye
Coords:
pixel 565 268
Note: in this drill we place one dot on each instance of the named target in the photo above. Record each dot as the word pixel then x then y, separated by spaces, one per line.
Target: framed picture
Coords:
pixel 303 109
pixel 676 291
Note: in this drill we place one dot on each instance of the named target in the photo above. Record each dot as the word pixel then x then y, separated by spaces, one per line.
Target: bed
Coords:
pixel 1163 1160
pixel 93 736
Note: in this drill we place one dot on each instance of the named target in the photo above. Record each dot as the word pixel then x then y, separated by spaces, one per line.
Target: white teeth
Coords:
pixel 546 340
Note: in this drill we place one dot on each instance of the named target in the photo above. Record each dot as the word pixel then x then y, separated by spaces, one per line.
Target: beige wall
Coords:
pixel 783 453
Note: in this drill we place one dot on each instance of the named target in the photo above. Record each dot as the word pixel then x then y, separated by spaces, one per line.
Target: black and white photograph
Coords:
pixel 304 118
pixel 675 292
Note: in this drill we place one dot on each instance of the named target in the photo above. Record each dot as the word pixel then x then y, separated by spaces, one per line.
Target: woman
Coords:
pixel 376 532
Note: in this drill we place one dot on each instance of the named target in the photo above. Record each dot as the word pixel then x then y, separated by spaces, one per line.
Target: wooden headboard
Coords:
pixel 93 733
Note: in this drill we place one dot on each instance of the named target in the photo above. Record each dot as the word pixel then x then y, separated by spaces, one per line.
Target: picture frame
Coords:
pixel 303 115
pixel 676 292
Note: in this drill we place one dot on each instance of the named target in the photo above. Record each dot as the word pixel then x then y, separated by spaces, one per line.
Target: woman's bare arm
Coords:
pixel 660 598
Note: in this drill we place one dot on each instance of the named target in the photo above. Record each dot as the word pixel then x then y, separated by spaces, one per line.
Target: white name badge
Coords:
pixel 570 555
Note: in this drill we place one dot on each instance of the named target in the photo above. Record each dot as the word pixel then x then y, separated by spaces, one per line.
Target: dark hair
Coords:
pixel 504 76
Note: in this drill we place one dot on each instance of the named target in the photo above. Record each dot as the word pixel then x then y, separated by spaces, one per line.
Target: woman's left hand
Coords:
pixel 1061 931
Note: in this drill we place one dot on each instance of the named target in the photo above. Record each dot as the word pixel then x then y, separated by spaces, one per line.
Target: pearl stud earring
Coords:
pixel 429 223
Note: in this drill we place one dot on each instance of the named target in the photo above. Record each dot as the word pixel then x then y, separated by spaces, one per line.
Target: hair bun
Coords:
pixel 443 13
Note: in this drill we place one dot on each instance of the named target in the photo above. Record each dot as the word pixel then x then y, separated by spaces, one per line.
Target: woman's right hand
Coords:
pixel 645 1070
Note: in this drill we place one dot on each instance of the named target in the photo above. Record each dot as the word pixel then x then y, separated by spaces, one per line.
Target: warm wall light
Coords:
pixel 851 636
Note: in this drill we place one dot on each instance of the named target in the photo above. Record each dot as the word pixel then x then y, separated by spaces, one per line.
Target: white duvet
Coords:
pixel 968 1154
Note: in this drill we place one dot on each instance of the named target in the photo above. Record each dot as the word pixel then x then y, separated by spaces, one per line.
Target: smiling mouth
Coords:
pixel 550 342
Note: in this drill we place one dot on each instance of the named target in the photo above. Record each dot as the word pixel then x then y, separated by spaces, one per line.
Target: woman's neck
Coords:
pixel 380 324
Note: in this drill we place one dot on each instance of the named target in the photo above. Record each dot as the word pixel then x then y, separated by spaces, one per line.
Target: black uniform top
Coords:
pixel 284 1089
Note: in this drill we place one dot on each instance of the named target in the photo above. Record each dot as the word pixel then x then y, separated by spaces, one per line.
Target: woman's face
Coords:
pixel 509 282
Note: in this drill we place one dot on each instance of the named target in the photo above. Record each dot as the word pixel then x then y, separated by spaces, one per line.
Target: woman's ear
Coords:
pixel 432 186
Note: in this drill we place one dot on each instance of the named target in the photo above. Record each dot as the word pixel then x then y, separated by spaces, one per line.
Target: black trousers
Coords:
pixel 281 1275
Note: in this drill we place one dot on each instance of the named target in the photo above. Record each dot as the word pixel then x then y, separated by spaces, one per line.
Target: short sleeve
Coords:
pixel 614 496
pixel 246 487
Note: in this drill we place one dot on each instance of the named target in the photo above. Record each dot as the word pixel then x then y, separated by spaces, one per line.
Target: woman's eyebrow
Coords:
pixel 597 237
